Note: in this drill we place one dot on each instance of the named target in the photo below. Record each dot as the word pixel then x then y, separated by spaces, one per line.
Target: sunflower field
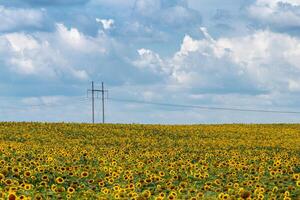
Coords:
pixel 84 161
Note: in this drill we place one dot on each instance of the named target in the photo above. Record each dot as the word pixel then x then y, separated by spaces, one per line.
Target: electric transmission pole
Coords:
pixel 102 91
pixel 93 90
pixel 93 102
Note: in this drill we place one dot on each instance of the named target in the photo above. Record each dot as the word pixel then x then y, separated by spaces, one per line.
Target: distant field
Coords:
pixel 80 161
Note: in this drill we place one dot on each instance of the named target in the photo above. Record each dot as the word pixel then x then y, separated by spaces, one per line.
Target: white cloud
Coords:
pixel 166 13
pixel 61 54
pixel 147 7
pixel 262 61
pixel 274 3
pixel 106 23
pixel 151 60
pixel 80 74
pixel 294 85
pixel 14 18
pixel 23 66
pixel 72 38
pixel 281 13
pixel 21 42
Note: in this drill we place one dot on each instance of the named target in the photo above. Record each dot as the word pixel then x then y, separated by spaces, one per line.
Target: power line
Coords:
pixel 202 107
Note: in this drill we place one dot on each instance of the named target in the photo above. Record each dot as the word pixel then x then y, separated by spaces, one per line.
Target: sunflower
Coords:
pixel 53 187
pixel 260 196
pixel 38 197
pixel 116 188
pixel 236 185
pixel 161 174
pixel 261 190
pixel 138 185
pixel 206 187
pixel 183 184
pixel 173 193
pixel 148 180
pixel 91 181
pixel 117 196
pixel 27 174
pixel 71 173
pixel 71 190
pixel 131 186
pixel 161 194
pixel 298 183
pixel 115 175
pixel 217 182
pixel 200 195
pixel 8 182
pixel 171 197
pixel 110 181
pixel 12 196
pixel 226 196
pixel 287 193
pixel 45 177
pixel 105 190
pixel 62 169
pixel 59 180
pixel 15 170
pixel 13 189
pixel 272 173
pixel 43 184
pixel 220 196
pixel 147 194
pixel 101 183
pixel 27 186
pixel 245 194
pixel 84 174
pixel 296 176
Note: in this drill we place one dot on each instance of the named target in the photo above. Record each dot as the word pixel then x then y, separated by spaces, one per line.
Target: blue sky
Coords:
pixel 241 54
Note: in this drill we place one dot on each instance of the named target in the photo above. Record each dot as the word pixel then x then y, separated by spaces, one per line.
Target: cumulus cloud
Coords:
pixel 106 23
pixel 74 39
pixel 260 62
pixel 280 13
pixel 150 60
pixel 58 55
pixel 20 18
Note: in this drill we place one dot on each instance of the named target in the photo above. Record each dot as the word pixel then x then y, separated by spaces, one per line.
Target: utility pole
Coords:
pixel 102 91
pixel 93 103
pixel 93 90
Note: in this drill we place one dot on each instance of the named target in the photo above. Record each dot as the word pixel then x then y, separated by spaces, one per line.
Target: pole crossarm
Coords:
pixel 97 90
